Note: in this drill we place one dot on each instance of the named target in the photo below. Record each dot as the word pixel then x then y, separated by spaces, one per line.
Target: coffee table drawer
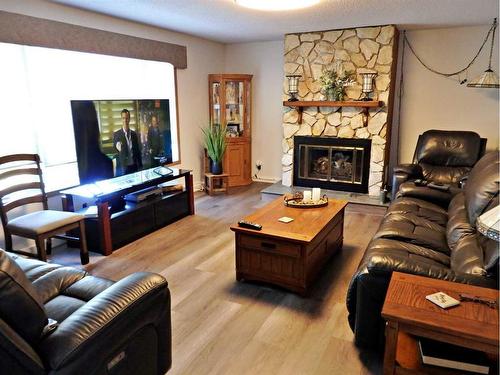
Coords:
pixel 270 245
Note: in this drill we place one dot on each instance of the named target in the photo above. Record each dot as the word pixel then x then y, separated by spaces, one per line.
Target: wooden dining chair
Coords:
pixel 21 184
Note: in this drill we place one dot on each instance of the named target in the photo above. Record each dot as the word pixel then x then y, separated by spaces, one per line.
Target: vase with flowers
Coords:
pixel 334 81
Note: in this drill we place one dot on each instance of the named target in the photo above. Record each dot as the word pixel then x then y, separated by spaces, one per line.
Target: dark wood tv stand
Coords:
pixel 114 222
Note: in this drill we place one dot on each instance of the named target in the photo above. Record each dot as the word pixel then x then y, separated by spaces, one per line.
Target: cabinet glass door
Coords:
pixel 216 109
pixel 235 108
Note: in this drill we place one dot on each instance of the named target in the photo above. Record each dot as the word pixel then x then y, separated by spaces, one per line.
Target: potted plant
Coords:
pixel 333 83
pixel 215 143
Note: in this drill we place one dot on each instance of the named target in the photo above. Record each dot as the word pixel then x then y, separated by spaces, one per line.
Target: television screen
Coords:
pixel 119 137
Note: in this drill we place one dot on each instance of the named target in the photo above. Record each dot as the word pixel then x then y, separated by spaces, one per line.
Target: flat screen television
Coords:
pixel 119 137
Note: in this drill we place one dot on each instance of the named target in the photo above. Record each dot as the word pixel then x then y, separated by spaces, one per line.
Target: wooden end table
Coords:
pixel 289 255
pixel 408 314
pixel 216 183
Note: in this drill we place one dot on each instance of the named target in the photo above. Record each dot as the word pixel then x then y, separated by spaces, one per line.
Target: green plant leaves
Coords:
pixel 215 141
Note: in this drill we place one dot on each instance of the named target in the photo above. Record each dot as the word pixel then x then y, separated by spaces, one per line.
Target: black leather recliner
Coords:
pixel 422 238
pixel 102 327
pixel 444 157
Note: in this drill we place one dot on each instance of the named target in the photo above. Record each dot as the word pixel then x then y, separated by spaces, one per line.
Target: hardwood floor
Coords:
pixel 221 326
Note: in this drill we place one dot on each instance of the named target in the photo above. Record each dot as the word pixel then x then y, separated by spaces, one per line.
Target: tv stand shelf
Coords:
pixel 113 222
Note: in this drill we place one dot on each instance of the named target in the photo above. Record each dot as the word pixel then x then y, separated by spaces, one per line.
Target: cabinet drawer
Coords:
pixel 270 245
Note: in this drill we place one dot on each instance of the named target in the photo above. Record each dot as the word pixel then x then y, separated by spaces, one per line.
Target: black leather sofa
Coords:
pixel 102 327
pixel 420 237
pixel 441 156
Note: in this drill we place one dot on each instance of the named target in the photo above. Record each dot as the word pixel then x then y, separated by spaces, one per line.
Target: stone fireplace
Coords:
pixel 358 50
pixel 332 163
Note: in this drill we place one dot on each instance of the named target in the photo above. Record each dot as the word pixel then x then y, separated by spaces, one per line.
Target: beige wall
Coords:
pixel 265 61
pixel 203 57
pixel 433 102
pixel 429 101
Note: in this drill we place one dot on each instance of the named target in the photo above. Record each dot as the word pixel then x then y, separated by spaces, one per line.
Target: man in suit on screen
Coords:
pixel 126 143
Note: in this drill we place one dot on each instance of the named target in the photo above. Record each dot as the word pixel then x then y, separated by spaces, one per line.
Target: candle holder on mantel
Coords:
pixel 293 86
pixel 367 86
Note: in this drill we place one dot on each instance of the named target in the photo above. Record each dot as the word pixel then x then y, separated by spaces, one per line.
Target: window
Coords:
pixel 38 85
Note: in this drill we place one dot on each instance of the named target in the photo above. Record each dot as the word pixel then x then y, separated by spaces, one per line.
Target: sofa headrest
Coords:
pixel 483 185
pixel 20 306
pixel 449 148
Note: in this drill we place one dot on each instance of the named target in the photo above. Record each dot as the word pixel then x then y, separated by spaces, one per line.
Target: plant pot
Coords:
pixel 216 167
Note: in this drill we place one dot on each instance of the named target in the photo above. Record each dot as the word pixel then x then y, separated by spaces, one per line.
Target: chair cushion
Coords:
pixel 20 306
pixel 42 222
pixel 62 290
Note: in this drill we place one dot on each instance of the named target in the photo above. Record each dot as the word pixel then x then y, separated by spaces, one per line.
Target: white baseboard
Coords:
pixel 198 186
pixel 269 180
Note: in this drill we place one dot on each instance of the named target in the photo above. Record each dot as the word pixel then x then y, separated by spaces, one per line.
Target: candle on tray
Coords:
pixel 307 196
pixel 316 194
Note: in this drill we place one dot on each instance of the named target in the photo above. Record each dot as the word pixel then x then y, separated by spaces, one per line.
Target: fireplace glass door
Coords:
pixel 342 164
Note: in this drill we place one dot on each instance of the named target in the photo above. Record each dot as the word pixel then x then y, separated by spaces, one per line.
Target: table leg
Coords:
pixel 104 224
pixel 391 344
pixel 190 191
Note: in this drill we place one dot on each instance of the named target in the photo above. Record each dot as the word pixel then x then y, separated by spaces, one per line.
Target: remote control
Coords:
pixel 249 225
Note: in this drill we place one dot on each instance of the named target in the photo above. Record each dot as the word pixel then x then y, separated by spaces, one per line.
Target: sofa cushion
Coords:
pixel 20 306
pixel 444 175
pixel 483 185
pixel 419 208
pixel 411 228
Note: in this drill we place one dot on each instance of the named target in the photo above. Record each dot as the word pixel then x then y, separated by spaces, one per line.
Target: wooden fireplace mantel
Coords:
pixel 299 105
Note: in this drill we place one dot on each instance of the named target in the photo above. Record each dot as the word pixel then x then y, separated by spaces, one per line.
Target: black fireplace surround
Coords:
pixel 332 163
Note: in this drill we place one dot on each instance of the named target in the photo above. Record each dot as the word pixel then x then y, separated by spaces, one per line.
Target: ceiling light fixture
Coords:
pixel 274 5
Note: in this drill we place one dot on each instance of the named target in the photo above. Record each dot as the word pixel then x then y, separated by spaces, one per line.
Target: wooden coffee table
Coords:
pixel 409 314
pixel 289 255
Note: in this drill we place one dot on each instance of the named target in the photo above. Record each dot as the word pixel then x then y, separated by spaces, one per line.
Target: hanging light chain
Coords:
pixel 492 42
pixel 490 31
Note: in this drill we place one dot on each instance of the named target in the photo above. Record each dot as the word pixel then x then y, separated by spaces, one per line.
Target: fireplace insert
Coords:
pixel 332 163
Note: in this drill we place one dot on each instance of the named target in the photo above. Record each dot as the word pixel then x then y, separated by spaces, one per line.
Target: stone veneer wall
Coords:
pixel 358 50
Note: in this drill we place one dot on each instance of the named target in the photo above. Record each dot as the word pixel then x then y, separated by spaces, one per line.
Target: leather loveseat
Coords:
pixel 60 320
pixel 422 238
pixel 443 157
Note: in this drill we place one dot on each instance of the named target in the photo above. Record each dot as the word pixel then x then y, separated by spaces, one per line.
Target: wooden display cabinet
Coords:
pixel 230 97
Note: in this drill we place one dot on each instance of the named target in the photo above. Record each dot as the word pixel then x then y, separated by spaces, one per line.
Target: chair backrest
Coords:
pixel 449 148
pixel 447 156
pixel 21 183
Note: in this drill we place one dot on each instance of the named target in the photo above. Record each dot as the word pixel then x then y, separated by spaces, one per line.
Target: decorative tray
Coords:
pixel 296 200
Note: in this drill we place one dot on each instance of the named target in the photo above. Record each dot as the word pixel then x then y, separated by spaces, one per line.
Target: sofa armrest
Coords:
pixel 97 331
pixel 440 197
pixel 403 173
pixel 384 265
pixel 412 170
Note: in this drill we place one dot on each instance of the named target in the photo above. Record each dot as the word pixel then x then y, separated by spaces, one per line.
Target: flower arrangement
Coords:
pixel 334 81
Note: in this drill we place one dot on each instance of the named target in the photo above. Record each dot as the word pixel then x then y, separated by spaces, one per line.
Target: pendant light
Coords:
pixel 489 79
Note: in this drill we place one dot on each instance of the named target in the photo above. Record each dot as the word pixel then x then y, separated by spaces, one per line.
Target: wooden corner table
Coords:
pixel 409 314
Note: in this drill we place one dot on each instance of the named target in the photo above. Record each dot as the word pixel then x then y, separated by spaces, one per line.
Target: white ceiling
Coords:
pixel 224 21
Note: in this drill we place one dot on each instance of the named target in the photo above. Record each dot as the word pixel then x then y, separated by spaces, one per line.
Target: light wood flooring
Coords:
pixel 221 326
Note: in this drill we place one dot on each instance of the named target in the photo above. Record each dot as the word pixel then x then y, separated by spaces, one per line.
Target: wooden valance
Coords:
pixel 33 31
